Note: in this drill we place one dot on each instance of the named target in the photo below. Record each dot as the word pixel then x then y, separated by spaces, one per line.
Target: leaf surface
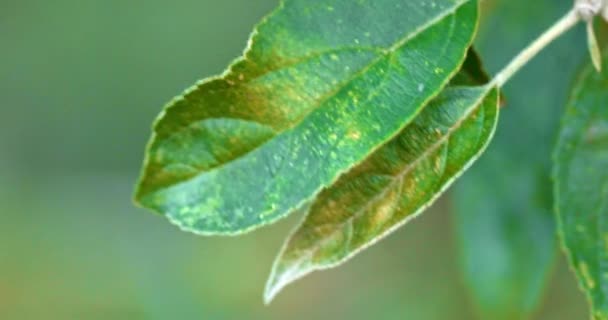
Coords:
pixel 394 185
pixel 581 186
pixel 321 85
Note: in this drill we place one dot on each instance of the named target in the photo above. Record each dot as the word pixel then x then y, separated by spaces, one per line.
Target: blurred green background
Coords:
pixel 80 83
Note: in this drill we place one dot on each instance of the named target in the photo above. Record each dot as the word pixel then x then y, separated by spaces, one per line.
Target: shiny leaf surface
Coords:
pixel 503 206
pixel 321 86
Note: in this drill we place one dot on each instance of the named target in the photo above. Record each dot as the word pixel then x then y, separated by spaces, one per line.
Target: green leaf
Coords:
pixel 581 186
pixel 322 84
pixel 503 206
pixel 397 183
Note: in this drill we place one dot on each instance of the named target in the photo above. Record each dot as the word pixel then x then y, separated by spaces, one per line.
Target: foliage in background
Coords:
pixel 503 205
pixel 581 185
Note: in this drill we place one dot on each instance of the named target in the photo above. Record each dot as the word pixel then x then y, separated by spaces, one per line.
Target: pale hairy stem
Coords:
pixel 562 26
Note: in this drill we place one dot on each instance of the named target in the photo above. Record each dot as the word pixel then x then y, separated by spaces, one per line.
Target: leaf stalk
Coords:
pixel 558 29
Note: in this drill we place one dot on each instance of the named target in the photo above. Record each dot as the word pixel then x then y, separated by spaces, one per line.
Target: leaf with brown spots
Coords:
pixel 398 182
pixel 320 87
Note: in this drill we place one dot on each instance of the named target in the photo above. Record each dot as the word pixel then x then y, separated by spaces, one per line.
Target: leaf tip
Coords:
pixel 274 285
pixel 276 282
pixel 136 197
pixel 269 294
pixel 141 199
pixel 284 272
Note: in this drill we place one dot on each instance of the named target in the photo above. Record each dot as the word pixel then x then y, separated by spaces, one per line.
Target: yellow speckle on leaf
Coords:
pixel 384 211
pixel 586 274
pixel 354 135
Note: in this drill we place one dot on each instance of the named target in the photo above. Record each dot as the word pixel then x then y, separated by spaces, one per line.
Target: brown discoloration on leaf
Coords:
pixel 391 187
pixel 310 99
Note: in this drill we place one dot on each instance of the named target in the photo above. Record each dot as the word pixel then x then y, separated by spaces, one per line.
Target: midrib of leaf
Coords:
pixel 399 178
pixel 314 55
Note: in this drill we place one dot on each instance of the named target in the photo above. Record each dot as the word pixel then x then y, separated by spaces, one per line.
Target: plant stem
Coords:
pixel 562 26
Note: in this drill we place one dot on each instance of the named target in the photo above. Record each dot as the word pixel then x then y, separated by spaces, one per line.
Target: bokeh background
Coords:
pixel 81 82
